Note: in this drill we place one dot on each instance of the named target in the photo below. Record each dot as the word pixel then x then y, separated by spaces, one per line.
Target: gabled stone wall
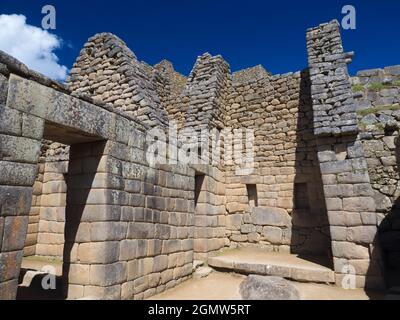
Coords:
pixel 108 71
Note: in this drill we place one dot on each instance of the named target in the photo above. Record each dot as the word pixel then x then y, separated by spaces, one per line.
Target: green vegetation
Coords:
pixel 376 86
pixel 44 259
pixel 380 86
pixel 376 127
pixel 358 88
pixel 375 110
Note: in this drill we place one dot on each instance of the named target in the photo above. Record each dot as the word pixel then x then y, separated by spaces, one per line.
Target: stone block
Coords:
pixel 14 234
pixel 15 201
pixel 98 252
pixel 338 233
pixel 139 230
pixel 19 149
pixel 60 108
pixel 8 290
pixel 359 204
pixel 273 234
pixel 17 174
pixel 103 293
pixel 362 234
pixel 78 274
pixel 32 127
pixel 10 265
pixel 128 250
pixel 108 231
pixel 108 274
pixel 270 217
pixel 349 250
pixel 10 121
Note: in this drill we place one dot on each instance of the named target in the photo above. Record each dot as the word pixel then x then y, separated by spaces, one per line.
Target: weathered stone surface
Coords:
pixel 3 89
pixel 270 217
pixel 268 288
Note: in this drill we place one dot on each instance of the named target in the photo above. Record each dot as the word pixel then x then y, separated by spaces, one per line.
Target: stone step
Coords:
pixel 255 261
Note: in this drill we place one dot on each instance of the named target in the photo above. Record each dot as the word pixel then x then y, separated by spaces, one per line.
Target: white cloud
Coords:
pixel 31 45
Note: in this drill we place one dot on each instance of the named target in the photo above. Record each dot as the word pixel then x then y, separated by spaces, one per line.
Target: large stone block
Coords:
pixel 273 234
pixel 14 234
pixel 362 234
pixel 108 275
pixel 268 288
pixel 10 264
pixel 98 252
pixel 359 204
pixel 78 274
pixel 8 290
pixel 10 121
pixel 349 250
pixel 108 231
pixel 17 174
pixel 19 149
pixel 47 103
pixel 15 201
pixel 270 217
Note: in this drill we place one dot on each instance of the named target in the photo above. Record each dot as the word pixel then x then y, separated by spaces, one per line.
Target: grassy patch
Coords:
pixel 375 110
pixel 380 86
pixel 44 259
pixel 358 88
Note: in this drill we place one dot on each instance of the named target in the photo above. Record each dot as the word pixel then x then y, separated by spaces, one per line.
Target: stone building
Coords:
pixel 76 185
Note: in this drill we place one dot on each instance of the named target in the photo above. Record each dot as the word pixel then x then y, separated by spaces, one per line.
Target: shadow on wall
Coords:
pixel 310 227
pixel 389 237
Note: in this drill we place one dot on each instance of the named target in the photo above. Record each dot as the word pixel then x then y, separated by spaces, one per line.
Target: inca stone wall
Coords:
pixel 76 184
pixel 129 228
pixel 348 192
pixel 108 71
pixel 377 87
pixel 377 100
pixel 290 214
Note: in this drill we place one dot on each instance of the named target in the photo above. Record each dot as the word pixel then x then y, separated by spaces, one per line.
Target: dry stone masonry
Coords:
pixel 76 186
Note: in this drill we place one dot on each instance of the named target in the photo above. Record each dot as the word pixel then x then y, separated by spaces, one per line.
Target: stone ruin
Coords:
pixel 75 184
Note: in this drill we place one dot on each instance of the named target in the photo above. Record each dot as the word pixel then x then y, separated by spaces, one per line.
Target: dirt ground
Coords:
pixel 225 286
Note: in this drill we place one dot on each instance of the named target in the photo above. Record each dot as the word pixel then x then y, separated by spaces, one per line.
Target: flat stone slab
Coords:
pixel 258 262
pixel 268 288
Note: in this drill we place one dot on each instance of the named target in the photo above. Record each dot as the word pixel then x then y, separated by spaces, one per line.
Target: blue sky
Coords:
pixel 246 33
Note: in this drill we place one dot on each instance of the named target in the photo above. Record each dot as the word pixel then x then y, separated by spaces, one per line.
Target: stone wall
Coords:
pixel 107 70
pixel 377 87
pixel 377 100
pixel 290 215
pixel 347 189
pixel 128 227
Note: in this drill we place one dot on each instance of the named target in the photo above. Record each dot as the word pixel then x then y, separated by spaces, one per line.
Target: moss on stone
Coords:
pixel 375 110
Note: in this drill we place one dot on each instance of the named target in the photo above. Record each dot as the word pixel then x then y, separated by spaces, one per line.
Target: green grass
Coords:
pixel 375 110
pixel 380 86
pixel 44 259
pixel 358 88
